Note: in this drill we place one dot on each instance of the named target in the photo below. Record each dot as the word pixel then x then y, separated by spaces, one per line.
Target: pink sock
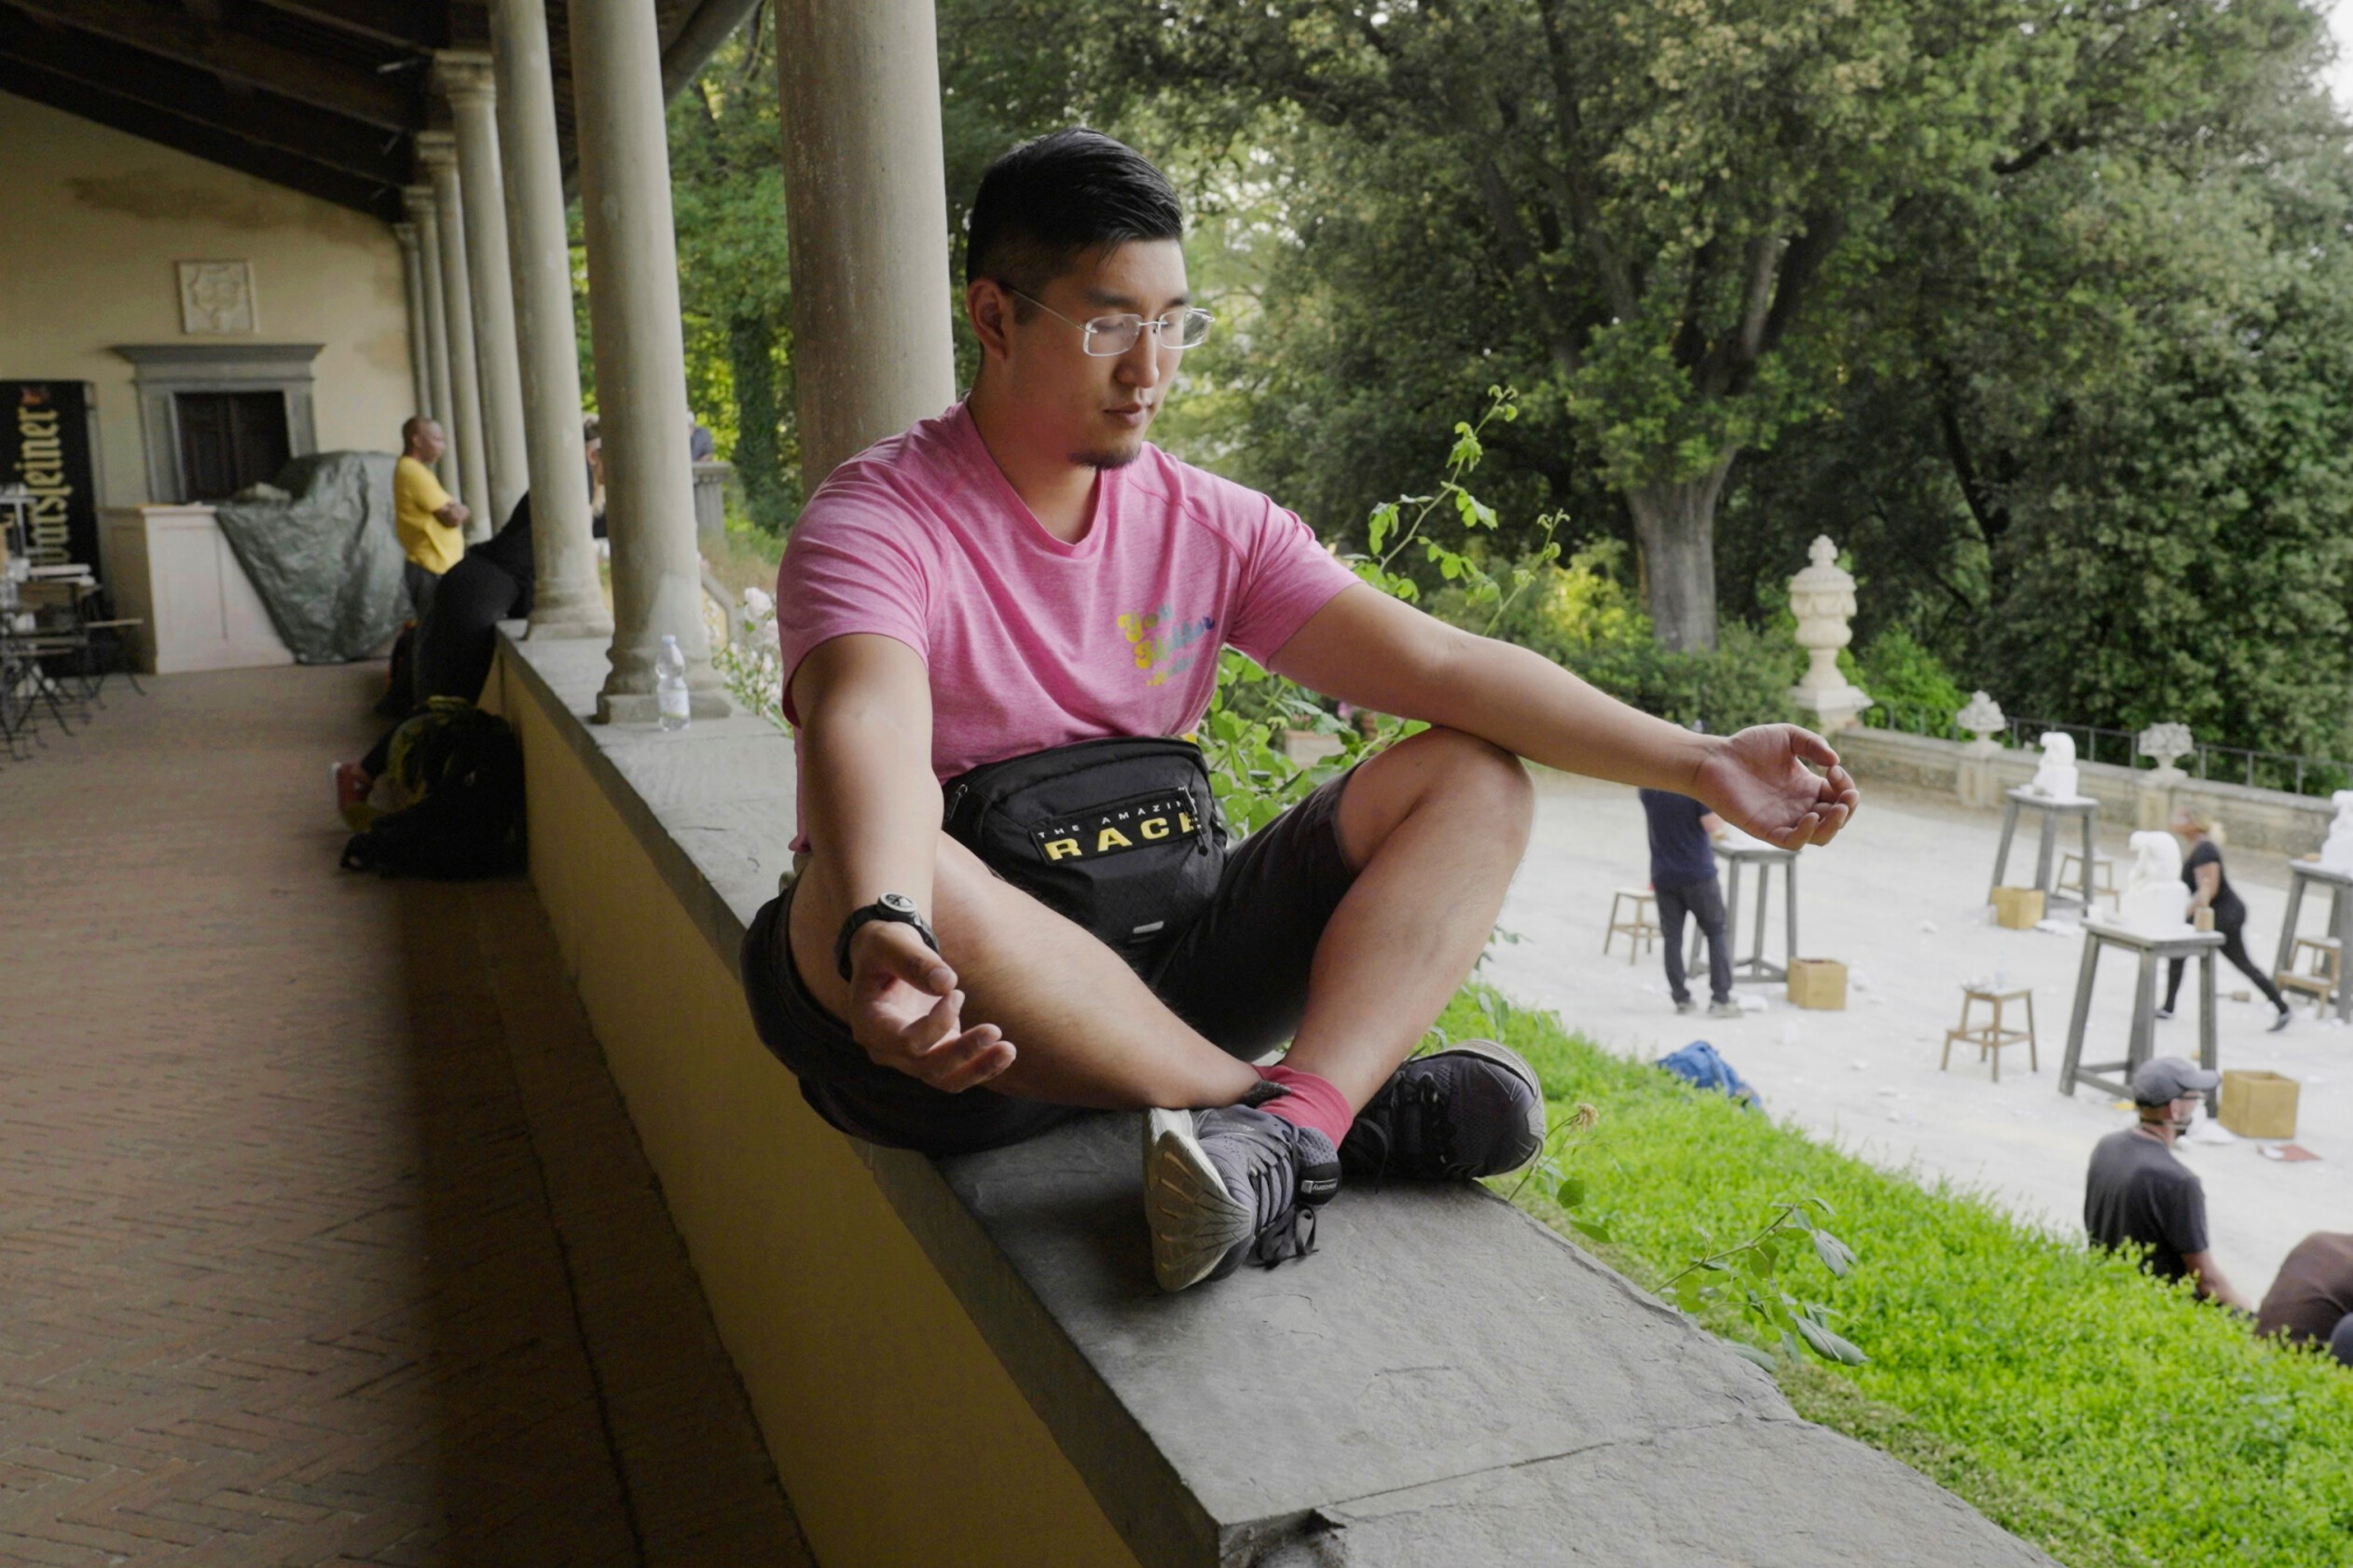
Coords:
pixel 1312 1102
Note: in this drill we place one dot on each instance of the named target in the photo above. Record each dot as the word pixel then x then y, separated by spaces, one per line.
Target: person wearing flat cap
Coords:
pixel 2139 1192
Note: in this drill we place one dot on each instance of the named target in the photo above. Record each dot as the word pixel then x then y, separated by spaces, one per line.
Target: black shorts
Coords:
pixel 1238 974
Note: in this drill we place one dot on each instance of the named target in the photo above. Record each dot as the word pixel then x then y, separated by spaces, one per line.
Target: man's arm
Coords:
pixel 871 808
pixel 454 513
pixel 2208 1277
pixel 1378 653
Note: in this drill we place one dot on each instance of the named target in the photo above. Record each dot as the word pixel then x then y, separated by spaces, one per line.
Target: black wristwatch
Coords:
pixel 895 907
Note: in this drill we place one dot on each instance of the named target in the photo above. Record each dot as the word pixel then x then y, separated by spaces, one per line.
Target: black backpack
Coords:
pixel 464 771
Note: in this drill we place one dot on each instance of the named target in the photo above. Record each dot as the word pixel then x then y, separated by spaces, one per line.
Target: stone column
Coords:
pixel 437 154
pixel 1822 597
pixel 421 212
pixel 569 600
pixel 865 196
pixel 413 284
pixel 464 78
pixel 633 317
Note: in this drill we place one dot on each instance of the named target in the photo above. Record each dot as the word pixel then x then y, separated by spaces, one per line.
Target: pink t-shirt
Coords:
pixel 1032 642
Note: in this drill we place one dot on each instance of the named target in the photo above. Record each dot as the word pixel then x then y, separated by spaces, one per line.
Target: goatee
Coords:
pixel 1105 461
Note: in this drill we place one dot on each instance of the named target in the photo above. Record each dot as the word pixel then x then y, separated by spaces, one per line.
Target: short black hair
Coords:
pixel 411 427
pixel 1044 203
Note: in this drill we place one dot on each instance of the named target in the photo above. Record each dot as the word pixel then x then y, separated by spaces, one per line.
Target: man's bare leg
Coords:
pixel 1436 825
pixel 1085 1030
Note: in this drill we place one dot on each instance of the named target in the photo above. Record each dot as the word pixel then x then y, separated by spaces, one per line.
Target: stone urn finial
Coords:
pixel 1822 597
pixel 2168 743
pixel 1982 718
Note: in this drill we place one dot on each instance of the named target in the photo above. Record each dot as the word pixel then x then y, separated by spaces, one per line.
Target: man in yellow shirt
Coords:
pixel 431 524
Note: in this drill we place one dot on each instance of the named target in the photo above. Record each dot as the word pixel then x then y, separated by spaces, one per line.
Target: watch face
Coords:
pixel 898 903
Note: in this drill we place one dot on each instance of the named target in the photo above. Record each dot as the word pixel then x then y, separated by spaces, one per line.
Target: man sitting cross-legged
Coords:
pixel 1021 598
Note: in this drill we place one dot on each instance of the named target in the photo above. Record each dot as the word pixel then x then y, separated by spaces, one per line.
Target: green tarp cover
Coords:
pixel 319 548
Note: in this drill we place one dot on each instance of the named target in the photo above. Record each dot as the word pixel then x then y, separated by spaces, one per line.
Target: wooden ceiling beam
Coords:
pixel 167 31
pixel 417 25
pixel 209 143
pixel 370 152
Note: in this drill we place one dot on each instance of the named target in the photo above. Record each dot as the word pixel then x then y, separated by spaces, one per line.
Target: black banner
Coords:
pixel 44 447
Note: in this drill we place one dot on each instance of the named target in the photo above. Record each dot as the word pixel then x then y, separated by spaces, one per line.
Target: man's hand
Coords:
pixel 906 1012
pixel 1758 781
pixel 455 514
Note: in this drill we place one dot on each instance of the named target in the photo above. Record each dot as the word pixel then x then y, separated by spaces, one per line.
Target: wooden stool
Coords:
pixel 2099 882
pixel 1989 1037
pixel 2320 981
pixel 1643 928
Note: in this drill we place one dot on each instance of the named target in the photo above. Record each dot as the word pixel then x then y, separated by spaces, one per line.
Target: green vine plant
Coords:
pixel 1254 777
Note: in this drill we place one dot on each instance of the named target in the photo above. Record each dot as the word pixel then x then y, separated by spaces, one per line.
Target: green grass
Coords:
pixel 2079 1403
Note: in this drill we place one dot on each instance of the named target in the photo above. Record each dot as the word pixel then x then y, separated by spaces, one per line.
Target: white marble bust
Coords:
pixel 2337 854
pixel 2155 900
pixel 2056 778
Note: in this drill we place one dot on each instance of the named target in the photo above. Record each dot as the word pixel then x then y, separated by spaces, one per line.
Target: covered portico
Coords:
pixel 453 130
pixel 947 1362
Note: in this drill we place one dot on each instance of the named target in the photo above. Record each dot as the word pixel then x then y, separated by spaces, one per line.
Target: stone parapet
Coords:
pixel 966 1361
pixel 2270 819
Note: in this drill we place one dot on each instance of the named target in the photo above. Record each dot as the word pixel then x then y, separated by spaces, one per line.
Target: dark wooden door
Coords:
pixel 230 440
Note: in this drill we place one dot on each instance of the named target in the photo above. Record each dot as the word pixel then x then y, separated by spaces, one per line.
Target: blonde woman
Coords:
pixel 2201 838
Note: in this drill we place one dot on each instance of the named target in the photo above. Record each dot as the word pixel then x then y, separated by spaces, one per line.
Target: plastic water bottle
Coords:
pixel 669 686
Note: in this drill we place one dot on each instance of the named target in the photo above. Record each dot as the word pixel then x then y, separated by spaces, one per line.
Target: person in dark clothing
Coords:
pixel 2136 1191
pixel 2202 872
pixel 1683 875
pixel 458 639
pixel 2311 1302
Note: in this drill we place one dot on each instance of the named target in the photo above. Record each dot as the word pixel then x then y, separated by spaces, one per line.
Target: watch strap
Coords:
pixel 893 907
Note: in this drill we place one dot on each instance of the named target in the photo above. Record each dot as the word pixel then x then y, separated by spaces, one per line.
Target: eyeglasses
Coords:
pixel 1108 336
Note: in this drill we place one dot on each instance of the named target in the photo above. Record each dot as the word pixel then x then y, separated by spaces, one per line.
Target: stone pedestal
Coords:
pixel 1977 784
pixel 2152 791
pixel 1822 597
pixel 2153 800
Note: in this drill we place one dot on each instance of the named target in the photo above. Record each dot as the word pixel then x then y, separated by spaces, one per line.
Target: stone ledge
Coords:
pixel 1445 1382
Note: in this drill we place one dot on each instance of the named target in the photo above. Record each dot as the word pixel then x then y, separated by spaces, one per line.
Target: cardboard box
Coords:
pixel 2259 1105
pixel 1820 984
pixel 2018 908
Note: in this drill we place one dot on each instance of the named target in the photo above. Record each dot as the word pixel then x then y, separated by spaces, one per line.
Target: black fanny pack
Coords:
pixel 1121 835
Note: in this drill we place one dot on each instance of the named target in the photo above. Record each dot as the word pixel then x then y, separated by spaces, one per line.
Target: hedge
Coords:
pixel 2079 1403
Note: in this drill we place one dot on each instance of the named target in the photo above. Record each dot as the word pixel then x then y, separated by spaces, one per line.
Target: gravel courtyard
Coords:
pixel 1900 898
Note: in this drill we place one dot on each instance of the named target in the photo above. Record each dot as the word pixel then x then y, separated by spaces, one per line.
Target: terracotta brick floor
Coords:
pixel 324 1237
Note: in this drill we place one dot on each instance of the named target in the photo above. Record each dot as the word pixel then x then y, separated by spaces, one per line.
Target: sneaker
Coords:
pixel 1685 1004
pixel 1726 1009
pixel 2281 1022
pixel 1223 1185
pixel 2163 1014
pixel 1476 1110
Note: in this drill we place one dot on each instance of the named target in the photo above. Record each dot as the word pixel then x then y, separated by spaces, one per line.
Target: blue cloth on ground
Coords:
pixel 1700 1063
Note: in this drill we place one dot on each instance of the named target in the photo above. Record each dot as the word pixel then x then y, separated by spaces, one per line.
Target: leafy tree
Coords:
pixel 734 278
pixel 1658 218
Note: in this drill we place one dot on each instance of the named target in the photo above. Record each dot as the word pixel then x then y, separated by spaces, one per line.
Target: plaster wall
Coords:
pixel 96 221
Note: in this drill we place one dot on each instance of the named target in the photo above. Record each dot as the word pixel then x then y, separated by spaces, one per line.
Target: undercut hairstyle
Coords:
pixel 411 428
pixel 1049 201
